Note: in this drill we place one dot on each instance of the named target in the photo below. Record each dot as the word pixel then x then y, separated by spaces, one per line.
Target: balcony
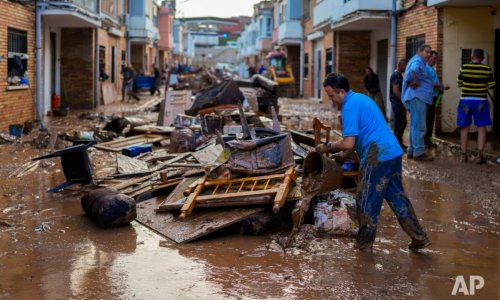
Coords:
pixel 362 15
pixel 325 10
pixel 72 13
pixel 368 5
pixel 290 32
pixel 142 29
pixel 463 3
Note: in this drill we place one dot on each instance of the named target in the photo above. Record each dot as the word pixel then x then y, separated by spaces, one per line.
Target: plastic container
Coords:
pixel 348 166
pixel 133 151
pixel 16 130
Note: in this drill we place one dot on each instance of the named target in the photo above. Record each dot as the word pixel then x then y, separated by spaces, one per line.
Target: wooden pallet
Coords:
pixel 119 145
pixel 240 191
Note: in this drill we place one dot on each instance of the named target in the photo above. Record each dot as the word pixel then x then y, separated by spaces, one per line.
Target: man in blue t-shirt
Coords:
pixel 364 128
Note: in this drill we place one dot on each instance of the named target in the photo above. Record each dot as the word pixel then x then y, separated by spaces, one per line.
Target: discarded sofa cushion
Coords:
pixel 226 92
pixel 109 208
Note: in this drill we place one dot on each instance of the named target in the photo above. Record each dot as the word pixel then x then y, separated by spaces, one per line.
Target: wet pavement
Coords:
pixel 50 250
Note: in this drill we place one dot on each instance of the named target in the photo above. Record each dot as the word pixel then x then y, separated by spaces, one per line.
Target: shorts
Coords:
pixel 479 109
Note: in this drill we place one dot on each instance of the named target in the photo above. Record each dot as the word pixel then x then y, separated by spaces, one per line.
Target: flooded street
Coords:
pixel 50 250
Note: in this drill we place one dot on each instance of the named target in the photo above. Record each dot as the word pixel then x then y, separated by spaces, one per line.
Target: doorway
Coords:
pixel 382 59
pixel 496 96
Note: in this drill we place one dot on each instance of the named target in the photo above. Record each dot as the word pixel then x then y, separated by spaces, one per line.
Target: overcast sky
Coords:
pixel 214 8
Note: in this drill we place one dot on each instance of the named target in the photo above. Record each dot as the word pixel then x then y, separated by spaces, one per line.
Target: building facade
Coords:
pixel 17 63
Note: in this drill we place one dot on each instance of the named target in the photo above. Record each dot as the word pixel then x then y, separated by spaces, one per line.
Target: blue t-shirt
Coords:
pixel 362 119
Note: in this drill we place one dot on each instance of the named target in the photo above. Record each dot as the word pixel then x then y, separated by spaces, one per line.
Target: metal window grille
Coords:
pixel 18 41
pixel 17 45
pixel 466 56
pixel 413 43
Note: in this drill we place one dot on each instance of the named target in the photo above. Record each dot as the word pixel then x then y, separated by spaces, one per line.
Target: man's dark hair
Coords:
pixel 402 61
pixel 423 47
pixel 434 52
pixel 337 81
pixel 478 53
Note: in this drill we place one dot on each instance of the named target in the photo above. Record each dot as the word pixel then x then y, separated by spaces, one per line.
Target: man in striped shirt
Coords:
pixel 475 79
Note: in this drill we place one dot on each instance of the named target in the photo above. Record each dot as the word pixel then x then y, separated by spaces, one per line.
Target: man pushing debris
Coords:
pixel 365 129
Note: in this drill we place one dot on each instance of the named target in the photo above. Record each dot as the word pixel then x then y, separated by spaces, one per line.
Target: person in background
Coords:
pixel 398 108
pixel 475 79
pixel 157 79
pixel 417 97
pixel 438 89
pixel 372 85
pixel 366 130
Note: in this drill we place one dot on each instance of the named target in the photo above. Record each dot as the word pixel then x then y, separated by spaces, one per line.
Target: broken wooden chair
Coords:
pixel 240 191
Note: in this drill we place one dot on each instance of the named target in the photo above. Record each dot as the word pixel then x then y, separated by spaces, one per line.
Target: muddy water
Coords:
pixel 52 251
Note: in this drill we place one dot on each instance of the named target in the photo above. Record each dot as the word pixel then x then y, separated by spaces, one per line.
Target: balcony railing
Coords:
pixel 335 10
pixel 290 30
pixel 89 5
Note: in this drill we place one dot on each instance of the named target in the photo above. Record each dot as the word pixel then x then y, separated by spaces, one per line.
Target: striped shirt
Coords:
pixel 475 80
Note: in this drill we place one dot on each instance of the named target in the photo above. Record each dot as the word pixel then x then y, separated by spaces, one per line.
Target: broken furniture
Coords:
pixel 75 163
pixel 240 191
pixel 175 102
pixel 119 145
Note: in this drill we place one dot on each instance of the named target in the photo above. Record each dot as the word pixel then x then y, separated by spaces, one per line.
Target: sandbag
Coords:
pixel 109 208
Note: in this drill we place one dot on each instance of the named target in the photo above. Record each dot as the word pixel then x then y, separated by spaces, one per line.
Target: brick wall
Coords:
pixel 77 67
pixel 327 43
pixel 419 20
pixel 353 56
pixel 307 25
pixel 16 106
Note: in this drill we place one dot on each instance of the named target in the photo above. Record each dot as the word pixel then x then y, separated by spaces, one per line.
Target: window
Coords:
pixel 113 64
pixel 412 44
pixel 466 56
pixel 108 6
pixel 329 61
pixel 102 59
pixel 17 54
pixel 307 8
pixel 269 28
pixel 306 65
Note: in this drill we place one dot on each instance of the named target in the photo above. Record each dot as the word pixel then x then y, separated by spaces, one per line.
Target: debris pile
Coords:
pixel 212 160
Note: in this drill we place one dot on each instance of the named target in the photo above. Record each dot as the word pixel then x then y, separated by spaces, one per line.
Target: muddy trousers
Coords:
pixel 383 181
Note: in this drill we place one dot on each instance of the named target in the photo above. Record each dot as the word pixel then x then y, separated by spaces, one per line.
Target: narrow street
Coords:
pixel 53 251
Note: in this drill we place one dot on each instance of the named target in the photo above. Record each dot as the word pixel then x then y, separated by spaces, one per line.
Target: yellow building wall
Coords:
pixel 467 27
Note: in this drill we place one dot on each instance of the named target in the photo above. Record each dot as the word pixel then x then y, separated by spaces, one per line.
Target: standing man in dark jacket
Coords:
pixel 398 108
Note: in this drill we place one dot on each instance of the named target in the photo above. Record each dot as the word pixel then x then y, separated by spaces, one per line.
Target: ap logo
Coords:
pixel 476 282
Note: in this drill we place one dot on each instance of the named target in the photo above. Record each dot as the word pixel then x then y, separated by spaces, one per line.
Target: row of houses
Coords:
pixel 60 47
pixel 323 36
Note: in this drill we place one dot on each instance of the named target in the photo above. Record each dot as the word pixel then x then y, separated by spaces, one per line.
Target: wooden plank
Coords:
pixel 199 224
pixel 236 195
pixel 119 145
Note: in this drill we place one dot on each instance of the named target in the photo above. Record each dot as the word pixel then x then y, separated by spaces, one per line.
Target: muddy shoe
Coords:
pixel 416 245
pixel 409 155
pixel 423 157
pixel 480 160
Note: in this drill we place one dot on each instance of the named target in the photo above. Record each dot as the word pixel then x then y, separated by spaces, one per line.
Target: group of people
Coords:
pixel 129 75
pixel 416 88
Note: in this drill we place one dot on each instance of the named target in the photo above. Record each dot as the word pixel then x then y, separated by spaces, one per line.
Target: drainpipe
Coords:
pixel 301 72
pixel 38 49
pixel 96 71
pixel 393 35
pixel 129 53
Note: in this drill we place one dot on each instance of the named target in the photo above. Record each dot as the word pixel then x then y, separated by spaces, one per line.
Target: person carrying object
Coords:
pixel 364 129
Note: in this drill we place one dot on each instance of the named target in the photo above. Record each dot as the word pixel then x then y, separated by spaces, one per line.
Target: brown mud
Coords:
pixel 50 250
